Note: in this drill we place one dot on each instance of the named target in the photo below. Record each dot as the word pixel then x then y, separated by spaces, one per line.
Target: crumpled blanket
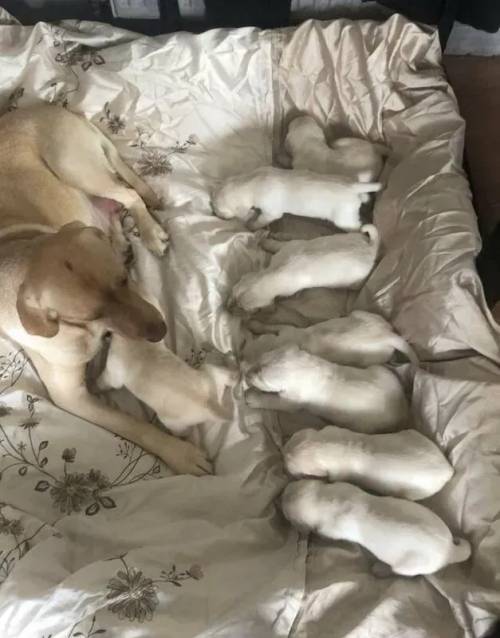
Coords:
pixel 96 536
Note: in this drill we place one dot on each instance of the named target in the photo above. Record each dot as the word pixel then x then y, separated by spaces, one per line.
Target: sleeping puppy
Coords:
pixel 407 537
pixel 348 157
pixel 181 396
pixel 266 194
pixel 365 399
pixel 404 464
pixel 343 260
pixel 361 339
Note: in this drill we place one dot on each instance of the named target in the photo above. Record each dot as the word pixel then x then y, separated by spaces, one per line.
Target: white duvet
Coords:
pixel 96 537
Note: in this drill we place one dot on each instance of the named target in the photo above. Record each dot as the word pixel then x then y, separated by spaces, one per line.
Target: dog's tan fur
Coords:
pixel 62 282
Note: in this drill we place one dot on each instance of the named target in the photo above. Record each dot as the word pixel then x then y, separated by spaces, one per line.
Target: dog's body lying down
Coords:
pixel 366 400
pixel 361 339
pixel 63 283
pixel 405 464
pixel 181 396
pixel 406 536
pixel 348 157
pixel 266 194
pixel 343 260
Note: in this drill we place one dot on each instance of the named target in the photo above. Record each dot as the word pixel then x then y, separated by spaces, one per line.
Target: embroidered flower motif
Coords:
pixel 71 493
pixel 196 572
pixel 134 596
pixel 80 54
pixel 98 480
pixel 4 525
pixel 12 366
pixel 114 122
pixel 16 527
pixel 69 455
pixel 29 424
pixel 154 162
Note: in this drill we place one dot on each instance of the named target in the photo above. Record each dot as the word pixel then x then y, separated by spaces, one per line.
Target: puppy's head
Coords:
pixel 229 201
pixel 299 504
pixel 75 277
pixel 303 129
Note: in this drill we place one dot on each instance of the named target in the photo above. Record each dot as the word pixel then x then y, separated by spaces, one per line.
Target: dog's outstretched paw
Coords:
pixel 188 459
pixel 155 239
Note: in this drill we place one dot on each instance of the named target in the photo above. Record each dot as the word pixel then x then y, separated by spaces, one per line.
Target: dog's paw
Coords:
pixel 155 239
pixel 186 458
pixel 300 455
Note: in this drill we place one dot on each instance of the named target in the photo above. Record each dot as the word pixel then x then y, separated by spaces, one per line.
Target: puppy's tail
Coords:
pixel 366 187
pixel 372 232
pixel 460 552
pixel 399 344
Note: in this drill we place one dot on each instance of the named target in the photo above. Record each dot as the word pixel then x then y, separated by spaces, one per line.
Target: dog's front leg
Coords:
pixel 67 389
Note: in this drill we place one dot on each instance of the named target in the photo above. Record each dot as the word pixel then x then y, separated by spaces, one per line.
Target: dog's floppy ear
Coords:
pixel 36 321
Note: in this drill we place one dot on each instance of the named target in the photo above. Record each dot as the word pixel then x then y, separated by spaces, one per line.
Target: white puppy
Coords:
pixel 266 194
pixel 181 396
pixel 406 536
pixel 405 464
pixel 361 339
pixel 343 260
pixel 364 399
pixel 349 157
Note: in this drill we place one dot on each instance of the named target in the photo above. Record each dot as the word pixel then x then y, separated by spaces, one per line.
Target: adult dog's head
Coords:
pixel 75 277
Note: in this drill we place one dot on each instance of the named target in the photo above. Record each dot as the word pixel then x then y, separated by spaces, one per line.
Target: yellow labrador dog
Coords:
pixel 63 283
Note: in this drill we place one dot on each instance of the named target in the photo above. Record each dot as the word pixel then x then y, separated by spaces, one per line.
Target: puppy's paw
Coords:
pixel 301 454
pixel 264 378
pixel 186 458
pixel 155 239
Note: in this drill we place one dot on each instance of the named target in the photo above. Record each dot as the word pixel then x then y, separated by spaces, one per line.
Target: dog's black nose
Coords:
pixel 155 331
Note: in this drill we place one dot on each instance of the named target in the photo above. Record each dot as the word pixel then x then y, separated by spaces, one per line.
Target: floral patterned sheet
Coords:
pixel 97 538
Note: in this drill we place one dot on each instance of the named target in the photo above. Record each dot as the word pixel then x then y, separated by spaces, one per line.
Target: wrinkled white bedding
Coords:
pixel 96 537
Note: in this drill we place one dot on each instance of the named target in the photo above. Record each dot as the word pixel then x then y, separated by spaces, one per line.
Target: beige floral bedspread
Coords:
pixel 96 537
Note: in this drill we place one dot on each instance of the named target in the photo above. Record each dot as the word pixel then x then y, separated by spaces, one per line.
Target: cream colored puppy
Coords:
pixel 343 260
pixel 181 396
pixel 405 464
pixel 409 538
pixel 348 157
pixel 361 339
pixel 266 194
pixel 364 399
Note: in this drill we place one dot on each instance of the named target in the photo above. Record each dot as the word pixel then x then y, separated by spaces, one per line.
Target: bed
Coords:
pixel 97 538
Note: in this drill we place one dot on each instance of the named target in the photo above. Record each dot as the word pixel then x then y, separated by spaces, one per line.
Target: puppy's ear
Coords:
pixel 36 321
